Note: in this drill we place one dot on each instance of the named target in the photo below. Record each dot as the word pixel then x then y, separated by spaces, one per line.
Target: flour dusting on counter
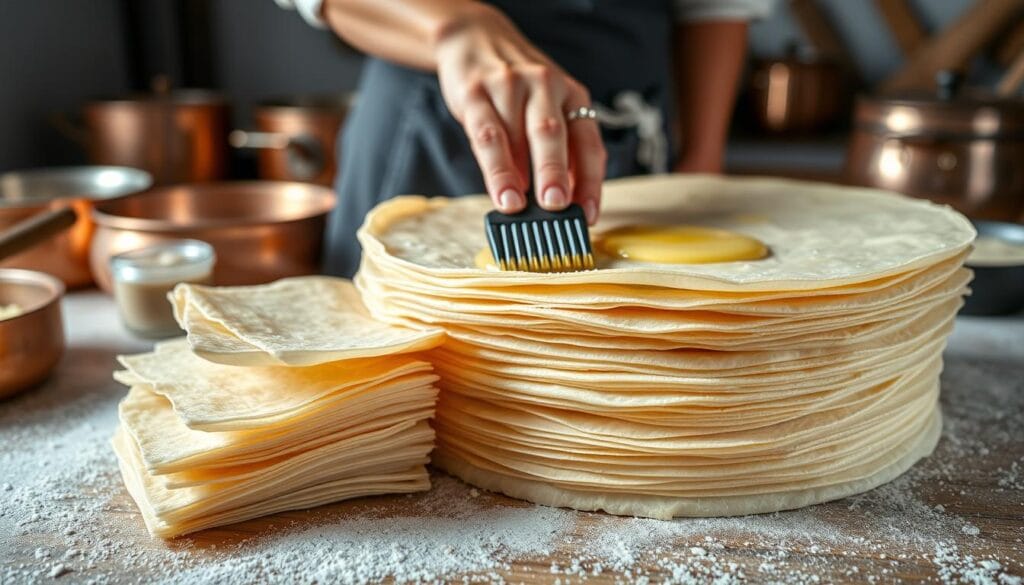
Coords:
pixel 65 517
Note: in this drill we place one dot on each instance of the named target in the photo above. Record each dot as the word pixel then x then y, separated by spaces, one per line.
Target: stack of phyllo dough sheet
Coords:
pixel 744 345
pixel 284 396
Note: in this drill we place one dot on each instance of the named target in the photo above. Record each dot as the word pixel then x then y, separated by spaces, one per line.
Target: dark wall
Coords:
pixel 53 55
pixel 262 51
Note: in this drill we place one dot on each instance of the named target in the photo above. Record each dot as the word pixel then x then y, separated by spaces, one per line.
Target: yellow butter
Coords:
pixel 680 245
pixel 485 260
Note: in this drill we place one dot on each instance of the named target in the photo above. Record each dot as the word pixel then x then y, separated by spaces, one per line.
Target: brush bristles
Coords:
pixel 555 264
pixel 559 245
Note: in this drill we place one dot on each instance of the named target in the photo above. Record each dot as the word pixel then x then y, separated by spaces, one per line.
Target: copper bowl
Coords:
pixel 260 230
pixel 31 343
pixel 27 193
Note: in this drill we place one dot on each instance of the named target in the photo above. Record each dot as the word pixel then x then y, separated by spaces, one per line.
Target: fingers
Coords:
pixel 489 140
pixel 588 160
pixel 515 120
pixel 508 91
pixel 547 135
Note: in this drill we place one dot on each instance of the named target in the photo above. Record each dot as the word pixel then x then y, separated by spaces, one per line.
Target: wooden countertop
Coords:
pixel 956 517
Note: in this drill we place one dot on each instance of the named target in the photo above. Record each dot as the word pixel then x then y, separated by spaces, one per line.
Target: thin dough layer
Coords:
pixel 318 415
pixel 665 390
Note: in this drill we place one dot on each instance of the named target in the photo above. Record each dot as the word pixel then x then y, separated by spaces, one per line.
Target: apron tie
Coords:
pixel 631 111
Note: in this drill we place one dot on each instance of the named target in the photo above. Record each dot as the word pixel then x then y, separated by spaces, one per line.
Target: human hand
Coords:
pixel 512 100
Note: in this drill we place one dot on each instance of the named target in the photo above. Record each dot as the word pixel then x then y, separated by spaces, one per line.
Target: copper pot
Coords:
pixel 261 231
pixel 31 343
pixel 24 194
pixel 177 136
pixel 798 95
pixel 297 138
pixel 963 150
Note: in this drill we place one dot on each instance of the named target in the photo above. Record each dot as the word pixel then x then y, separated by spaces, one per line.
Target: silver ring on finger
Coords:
pixel 581 113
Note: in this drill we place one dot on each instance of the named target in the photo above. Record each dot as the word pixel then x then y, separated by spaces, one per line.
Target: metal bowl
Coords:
pixel 31 343
pixel 27 193
pixel 997 290
pixel 260 230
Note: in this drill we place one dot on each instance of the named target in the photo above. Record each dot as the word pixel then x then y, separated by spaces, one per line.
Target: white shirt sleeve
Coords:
pixel 308 9
pixel 705 10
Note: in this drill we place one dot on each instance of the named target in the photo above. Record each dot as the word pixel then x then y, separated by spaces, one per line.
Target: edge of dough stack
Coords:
pixel 308 402
pixel 685 390
pixel 651 390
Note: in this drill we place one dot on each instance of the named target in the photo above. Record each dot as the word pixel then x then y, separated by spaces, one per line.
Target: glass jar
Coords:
pixel 144 277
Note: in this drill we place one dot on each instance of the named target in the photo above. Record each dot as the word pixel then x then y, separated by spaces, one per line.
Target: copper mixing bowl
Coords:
pixel 31 343
pixel 260 230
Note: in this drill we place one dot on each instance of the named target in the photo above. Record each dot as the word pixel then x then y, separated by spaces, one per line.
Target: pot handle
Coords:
pixel 258 140
pixel 306 157
pixel 35 230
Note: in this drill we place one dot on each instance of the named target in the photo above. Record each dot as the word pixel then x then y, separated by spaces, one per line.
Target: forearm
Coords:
pixel 709 58
pixel 403 31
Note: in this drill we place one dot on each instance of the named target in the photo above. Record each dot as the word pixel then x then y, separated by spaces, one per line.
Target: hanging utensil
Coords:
pixel 954 47
pixel 1013 78
pixel 903 23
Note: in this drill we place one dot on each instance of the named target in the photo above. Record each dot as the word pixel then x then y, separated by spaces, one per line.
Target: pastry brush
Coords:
pixel 538 240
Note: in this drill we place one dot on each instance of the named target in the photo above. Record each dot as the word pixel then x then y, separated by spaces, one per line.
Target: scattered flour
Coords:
pixel 65 517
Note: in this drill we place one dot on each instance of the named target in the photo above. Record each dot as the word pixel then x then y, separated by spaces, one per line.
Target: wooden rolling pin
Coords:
pixel 954 46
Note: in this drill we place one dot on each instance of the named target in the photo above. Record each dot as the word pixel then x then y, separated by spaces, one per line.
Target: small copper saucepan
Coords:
pixel 260 230
pixel 296 138
pixel 24 194
pixel 964 149
pixel 31 328
pixel 798 94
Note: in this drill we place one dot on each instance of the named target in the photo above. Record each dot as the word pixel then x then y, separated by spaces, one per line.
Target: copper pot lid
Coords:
pixel 947 112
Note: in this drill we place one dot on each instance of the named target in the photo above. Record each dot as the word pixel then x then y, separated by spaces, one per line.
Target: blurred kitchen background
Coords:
pixel 58 54
pixel 232 181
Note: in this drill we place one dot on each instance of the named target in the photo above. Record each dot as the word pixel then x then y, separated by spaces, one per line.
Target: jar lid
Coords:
pixel 177 260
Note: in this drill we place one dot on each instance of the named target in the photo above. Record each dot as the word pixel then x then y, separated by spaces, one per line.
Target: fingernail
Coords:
pixel 510 200
pixel 590 210
pixel 555 197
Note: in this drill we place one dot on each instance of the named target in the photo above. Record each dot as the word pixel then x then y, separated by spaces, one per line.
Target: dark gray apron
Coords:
pixel 400 137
